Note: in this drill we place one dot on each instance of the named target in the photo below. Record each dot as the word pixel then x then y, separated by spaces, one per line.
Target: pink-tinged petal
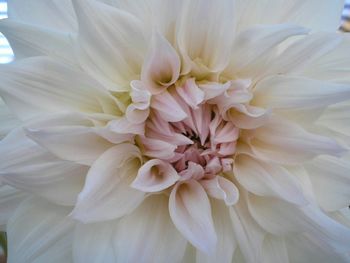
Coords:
pixel 124 126
pixel 247 116
pixel 154 176
pixel 161 66
pixel 221 188
pixel 201 118
pixel 227 148
pixel 213 89
pixel 226 164
pixel 140 96
pixel 190 93
pixel 167 107
pixel 190 211
pixel 213 166
pixel 158 148
pixel 194 171
pixel 228 133
pixel 135 115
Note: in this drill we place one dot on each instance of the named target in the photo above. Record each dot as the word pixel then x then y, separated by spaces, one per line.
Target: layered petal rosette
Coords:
pixel 175 131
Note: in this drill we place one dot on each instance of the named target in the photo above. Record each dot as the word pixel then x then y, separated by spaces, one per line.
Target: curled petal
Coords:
pixel 221 188
pixel 190 211
pixel 158 148
pixel 194 171
pixel 161 67
pixel 190 93
pixel 213 89
pixel 155 175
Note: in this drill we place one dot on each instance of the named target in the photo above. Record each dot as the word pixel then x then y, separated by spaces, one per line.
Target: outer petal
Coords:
pixel 7 119
pixel 152 239
pixel 274 250
pixel 191 213
pixel 161 67
pixel 55 14
pixel 107 194
pixel 40 85
pixel 40 232
pixel 27 166
pixel 268 180
pixel 106 32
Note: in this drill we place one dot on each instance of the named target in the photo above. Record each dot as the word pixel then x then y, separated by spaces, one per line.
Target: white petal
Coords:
pixel 28 40
pixel 93 242
pixel 40 85
pixel 281 92
pixel 167 107
pixel 27 166
pixel 155 175
pixel 68 136
pixel 287 143
pixel 7 119
pixel 107 194
pixel 10 199
pixel 252 43
pixel 331 182
pixel 205 40
pixel 158 148
pixel 221 188
pixel 39 231
pixel 274 250
pixel 161 67
pixel 55 14
pixel 154 238
pixel 226 241
pixel 106 32
pixel 190 93
pixel 191 213
pixel 266 179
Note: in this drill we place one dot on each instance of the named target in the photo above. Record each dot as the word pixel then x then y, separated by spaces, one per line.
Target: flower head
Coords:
pixel 175 131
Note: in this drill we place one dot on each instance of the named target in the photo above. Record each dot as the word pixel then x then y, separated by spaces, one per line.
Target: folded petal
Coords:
pixel 190 93
pixel 152 239
pixel 158 148
pixel 107 194
pixel 155 175
pixel 264 179
pixel 161 67
pixel 41 85
pixel 40 231
pixel 287 92
pixel 221 188
pixel 29 167
pixel 105 32
pixel 191 213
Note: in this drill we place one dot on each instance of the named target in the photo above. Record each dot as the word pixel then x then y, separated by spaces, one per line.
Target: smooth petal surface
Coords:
pixel 155 175
pixel 191 213
pixel 161 67
pixel 8 120
pixel 274 250
pixel 107 194
pixel 268 180
pixel 190 93
pixel 39 231
pixel 152 239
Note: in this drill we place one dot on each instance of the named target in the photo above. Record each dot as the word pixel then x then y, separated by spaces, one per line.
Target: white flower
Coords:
pixel 176 131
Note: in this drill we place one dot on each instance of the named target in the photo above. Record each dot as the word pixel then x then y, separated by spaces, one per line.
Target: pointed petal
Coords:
pixel 167 107
pixel 190 93
pixel 191 213
pixel 105 32
pixel 155 175
pixel 107 194
pixel 161 67
pixel 158 148
pixel 221 188
pixel 266 179
pixel 40 231
pixel 163 241
pixel 281 92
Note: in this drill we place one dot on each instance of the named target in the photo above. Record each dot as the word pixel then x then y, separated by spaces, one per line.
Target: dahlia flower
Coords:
pixel 175 131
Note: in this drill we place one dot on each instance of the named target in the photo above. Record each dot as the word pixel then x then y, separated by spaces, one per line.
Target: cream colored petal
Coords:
pixel 40 231
pixel 34 86
pixel 149 235
pixel 7 119
pixel 161 66
pixel 274 250
pixel 266 179
pixel 190 211
pixel 106 32
pixel 54 14
pixel 107 194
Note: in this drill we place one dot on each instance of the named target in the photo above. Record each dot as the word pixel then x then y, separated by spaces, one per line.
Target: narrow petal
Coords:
pixel 221 188
pixel 282 92
pixel 40 231
pixel 107 194
pixel 167 107
pixel 152 239
pixel 158 148
pixel 161 67
pixel 105 32
pixel 155 175
pixel 266 179
pixel 190 93
pixel 191 213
